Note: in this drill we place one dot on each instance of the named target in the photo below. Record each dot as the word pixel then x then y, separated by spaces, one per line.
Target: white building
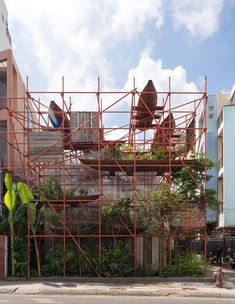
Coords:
pixel 5 38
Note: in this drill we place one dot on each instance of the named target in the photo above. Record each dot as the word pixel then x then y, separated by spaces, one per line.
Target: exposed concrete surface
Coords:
pixel 183 287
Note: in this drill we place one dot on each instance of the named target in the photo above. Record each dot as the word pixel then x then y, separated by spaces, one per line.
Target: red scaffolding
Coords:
pixel 102 151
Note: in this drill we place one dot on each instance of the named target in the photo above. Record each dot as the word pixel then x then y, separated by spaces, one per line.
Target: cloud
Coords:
pixel 73 38
pixel 81 40
pixel 200 18
pixel 148 68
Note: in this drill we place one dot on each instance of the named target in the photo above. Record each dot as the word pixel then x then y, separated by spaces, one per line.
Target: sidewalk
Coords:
pixel 183 287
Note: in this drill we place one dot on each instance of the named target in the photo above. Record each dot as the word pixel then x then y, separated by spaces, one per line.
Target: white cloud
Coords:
pixel 199 18
pixel 130 16
pixel 73 38
pixel 148 68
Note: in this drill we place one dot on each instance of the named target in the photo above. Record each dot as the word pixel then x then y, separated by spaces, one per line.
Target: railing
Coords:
pixel 220 119
pixel 221 163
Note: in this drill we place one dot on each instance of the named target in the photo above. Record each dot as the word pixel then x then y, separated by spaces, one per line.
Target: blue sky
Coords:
pixel 119 39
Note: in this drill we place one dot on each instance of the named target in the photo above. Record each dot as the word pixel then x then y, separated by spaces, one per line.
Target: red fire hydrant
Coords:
pixel 219 275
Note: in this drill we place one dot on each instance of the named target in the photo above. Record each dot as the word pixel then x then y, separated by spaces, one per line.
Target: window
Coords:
pixel 3 20
pixel 211 116
pixel 211 108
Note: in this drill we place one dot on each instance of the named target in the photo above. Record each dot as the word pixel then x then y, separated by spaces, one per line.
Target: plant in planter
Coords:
pixel 111 152
pixel 82 192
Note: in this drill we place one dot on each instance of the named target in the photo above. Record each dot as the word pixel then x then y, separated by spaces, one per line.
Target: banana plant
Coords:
pixel 27 199
pixel 10 202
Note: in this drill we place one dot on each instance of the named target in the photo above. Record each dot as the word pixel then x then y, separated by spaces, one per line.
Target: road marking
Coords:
pixel 45 300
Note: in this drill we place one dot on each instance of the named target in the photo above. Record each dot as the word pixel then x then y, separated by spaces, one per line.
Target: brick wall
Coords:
pixel 3 257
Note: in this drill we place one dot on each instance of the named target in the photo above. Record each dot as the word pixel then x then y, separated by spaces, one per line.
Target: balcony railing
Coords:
pixel 220 119
pixel 221 163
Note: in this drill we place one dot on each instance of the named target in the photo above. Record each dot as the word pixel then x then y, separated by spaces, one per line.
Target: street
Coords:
pixel 22 299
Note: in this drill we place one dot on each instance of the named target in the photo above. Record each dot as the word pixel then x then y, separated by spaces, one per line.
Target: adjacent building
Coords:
pixel 12 106
pixel 5 37
pixel 220 147
pixel 226 161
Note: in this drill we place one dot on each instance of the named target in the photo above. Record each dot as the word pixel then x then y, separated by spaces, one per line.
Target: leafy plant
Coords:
pixel 10 202
pixel 20 246
pixel 113 262
pixel 111 152
pixel 157 211
pixel 50 188
pixel 188 265
pixel 27 199
pixel 53 263
pixel 189 181
pixel 119 211
pixel 82 192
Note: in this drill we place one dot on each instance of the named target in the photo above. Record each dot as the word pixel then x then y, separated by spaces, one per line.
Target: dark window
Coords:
pixel 3 90
pixel 211 116
pixel 211 108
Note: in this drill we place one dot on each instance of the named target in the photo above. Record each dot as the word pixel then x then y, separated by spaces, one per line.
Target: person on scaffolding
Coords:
pixel 219 256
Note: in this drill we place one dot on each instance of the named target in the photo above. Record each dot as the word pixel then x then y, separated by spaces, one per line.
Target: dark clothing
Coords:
pixel 218 261
pixel 219 256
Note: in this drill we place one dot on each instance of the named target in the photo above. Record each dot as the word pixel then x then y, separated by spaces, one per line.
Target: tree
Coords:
pixel 156 213
pixel 189 181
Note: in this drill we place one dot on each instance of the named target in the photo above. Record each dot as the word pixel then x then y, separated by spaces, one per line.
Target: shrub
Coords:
pixel 188 265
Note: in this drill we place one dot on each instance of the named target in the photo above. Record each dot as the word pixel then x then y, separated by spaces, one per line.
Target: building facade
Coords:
pixel 226 160
pixel 5 37
pixel 220 147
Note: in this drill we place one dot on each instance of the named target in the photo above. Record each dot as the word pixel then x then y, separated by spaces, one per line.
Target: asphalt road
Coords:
pixel 32 299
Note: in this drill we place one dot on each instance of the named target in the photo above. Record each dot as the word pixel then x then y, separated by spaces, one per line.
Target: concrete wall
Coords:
pixel 5 39
pixel 15 136
pixel 211 149
pixel 222 100
pixel 151 251
pixel 211 146
pixel 229 166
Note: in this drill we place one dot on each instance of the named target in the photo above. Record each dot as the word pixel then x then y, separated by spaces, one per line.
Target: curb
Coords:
pixel 129 280
pixel 156 293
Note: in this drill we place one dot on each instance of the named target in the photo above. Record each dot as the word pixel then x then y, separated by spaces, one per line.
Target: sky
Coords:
pixel 119 39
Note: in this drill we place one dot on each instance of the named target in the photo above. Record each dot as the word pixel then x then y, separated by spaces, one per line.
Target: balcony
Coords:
pixel 220 124
pixel 221 167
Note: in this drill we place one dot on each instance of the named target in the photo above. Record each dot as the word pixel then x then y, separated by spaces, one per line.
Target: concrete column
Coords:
pixel 155 250
pixel 139 250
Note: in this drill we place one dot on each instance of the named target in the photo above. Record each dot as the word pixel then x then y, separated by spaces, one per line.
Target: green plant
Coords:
pixel 49 188
pixel 20 252
pixel 188 265
pixel 156 211
pixel 111 152
pixel 160 153
pixel 82 192
pixel 189 181
pixel 10 202
pixel 113 262
pixel 53 263
pixel 119 211
pixel 27 198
